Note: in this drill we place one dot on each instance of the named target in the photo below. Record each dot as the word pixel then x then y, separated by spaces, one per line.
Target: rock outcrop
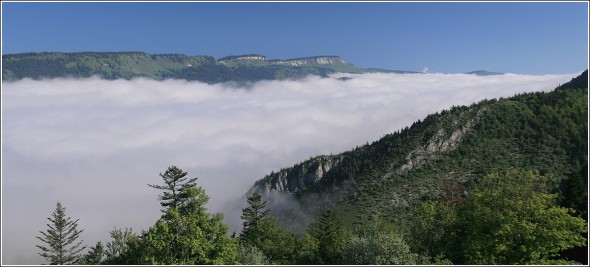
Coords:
pixel 300 177
pixel 437 143
pixel 321 60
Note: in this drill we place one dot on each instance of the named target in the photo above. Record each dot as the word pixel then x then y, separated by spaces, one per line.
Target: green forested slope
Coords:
pixel 442 157
pixel 127 65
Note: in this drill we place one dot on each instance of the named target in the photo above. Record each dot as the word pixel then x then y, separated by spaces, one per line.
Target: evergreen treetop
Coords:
pixel 60 239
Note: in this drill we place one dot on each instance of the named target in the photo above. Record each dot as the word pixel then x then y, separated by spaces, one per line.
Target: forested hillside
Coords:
pixel 442 158
pixel 128 65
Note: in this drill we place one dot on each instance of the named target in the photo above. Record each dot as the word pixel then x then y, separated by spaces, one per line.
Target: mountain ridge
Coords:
pixel 135 64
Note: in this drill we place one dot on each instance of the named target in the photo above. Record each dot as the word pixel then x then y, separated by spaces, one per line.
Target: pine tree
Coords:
pixel 262 232
pixel 94 256
pixel 175 188
pixel 186 233
pixel 252 215
pixel 61 239
pixel 330 235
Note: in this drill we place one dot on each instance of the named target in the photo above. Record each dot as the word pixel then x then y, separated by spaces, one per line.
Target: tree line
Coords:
pixel 510 217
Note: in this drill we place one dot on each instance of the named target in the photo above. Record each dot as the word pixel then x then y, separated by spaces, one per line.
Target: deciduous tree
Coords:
pixel 512 218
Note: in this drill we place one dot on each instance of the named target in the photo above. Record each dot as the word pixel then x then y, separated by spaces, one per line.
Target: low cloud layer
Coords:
pixel 94 144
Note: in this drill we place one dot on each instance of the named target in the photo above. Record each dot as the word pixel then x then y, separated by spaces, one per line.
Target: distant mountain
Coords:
pixel 391 71
pixel 441 157
pixel 128 65
pixel 484 73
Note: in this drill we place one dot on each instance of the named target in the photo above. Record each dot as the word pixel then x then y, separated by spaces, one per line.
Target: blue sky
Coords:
pixel 528 38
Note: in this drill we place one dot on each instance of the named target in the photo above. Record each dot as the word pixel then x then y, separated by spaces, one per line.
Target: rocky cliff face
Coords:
pixel 321 60
pixel 251 57
pixel 299 178
pixel 296 62
pixel 438 143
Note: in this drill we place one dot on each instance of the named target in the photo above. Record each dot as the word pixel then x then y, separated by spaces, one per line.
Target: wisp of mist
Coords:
pixel 95 144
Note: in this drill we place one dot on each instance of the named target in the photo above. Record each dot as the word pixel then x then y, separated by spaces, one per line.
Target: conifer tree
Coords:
pixel 60 239
pixel 252 215
pixel 262 232
pixel 186 233
pixel 330 235
pixel 175 187
pixel 94 256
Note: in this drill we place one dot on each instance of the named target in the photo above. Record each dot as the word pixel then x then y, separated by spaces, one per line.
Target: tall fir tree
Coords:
pixel 60 238
pixel 175 187
pixel 262 232
pixel 186 233
pixel 330 236
pixel 252 215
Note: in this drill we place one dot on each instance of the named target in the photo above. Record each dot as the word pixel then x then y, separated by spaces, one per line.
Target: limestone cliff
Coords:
pixel 300 177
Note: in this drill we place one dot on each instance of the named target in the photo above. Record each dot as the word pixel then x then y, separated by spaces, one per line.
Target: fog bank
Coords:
pixel 95 144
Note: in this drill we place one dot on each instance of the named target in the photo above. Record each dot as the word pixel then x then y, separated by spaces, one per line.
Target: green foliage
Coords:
pixel 511 218
pixel 251 255
pixel 433 230
pixel 60 238
pixel 176 189
pixel 262 232
pixel 377 243
pixel 118 245
pixel 383 248
pixel 94 255
pixel 128 65
pixel 186 233
pixel 196 238
pixel 252 215
pixel 575 195
pixel 308 252
pixel 578 82
pixel 275 242
pixel 325 238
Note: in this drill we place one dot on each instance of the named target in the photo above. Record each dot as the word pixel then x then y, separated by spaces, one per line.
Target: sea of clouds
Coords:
pixel 95 144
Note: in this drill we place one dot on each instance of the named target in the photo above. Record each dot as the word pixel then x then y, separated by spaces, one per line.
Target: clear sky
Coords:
pixel 527 38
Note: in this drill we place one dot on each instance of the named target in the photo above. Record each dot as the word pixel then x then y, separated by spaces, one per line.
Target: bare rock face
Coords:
pixel 322 60
pixel 301 177
pixel 437 143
